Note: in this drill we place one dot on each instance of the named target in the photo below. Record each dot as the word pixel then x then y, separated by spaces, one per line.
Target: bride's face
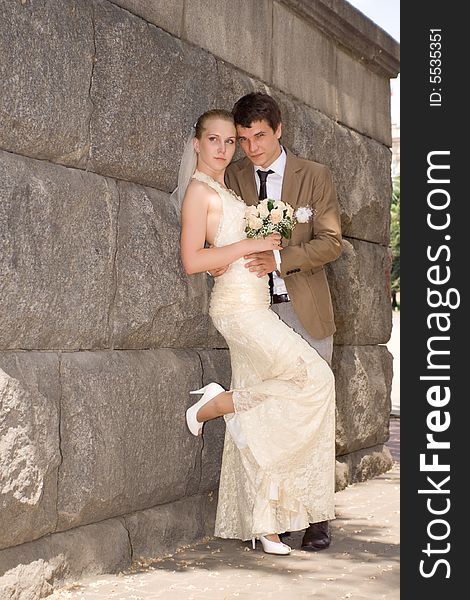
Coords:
pixel 216 147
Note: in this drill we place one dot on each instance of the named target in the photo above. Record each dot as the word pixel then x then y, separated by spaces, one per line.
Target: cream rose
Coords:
pixel 254 222
pixel 263 209
pixel 251 211
pixel 276 215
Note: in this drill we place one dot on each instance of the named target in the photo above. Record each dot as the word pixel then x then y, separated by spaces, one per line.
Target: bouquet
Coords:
pixel 274 216
pixel 270 216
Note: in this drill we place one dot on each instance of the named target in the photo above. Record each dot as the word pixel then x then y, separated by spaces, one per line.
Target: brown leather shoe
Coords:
pixel 316 537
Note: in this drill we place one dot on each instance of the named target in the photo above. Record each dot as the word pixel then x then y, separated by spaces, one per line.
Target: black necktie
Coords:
pixel 263 193
pixel 263 175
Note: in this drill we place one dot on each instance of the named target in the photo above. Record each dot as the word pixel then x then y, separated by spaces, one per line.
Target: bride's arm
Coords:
pixel 196 258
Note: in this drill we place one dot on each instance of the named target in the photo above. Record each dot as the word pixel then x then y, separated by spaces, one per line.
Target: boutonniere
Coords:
pixel 303 214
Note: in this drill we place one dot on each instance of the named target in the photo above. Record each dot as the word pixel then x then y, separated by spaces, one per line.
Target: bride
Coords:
pixel 278 461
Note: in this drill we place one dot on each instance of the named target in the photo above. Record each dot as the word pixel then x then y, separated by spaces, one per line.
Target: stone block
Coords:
pixel 238 31
pixel 56 270
pixel 360 288
pixel 363 98
pixel 367 463
pixel 166 14
pixel 29 445
pixel 360 167
pixel 148 89
pixel 161 530
pixel 47 60
pixel 306 131
pixel 312 67
pixel 362 173
pixel 233 84
pixel 363 385
pixel 352 30
pixel 304 61
pixel 30 582
pixel 341 476
pixel 31 571
pixel 156 304
pixel 125 443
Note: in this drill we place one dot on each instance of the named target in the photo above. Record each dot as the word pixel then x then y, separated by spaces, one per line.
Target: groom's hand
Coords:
pixel 262 263
pixel 217 272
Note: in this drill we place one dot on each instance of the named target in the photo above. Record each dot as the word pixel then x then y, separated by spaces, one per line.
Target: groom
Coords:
pixel 299 288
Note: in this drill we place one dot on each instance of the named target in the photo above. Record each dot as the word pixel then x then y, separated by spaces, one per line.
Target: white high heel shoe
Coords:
pixel 272 547
pixel 208 392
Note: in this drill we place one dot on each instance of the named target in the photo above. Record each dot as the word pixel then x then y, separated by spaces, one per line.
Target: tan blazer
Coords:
pixel 312 245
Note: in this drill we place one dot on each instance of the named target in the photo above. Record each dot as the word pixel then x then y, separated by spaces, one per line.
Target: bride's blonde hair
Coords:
pixel 189 158
pixel 215 113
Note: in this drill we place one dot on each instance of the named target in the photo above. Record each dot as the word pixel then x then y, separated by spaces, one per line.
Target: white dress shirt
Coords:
pixel 274 189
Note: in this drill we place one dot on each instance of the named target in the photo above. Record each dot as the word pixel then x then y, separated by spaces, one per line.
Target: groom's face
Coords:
pixel 260 143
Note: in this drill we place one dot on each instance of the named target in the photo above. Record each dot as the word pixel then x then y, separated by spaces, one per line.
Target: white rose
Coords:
pixel 251 211
pixel 263 209
pixel 276 215
pixel 280 204
pixel 290 210
pixel 254 222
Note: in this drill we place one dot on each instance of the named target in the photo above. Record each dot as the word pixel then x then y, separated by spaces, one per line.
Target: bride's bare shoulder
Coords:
pixel 199 191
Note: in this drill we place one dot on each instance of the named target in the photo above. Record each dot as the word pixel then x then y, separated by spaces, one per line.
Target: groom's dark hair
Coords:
pixel 256 106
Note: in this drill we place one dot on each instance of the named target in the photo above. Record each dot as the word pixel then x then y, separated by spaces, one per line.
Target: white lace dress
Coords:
pixel 279 452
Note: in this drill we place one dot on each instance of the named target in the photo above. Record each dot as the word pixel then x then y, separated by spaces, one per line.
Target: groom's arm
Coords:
pixel 325 245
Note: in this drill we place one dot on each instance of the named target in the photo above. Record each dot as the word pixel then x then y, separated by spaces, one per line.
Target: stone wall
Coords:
pixel 101 332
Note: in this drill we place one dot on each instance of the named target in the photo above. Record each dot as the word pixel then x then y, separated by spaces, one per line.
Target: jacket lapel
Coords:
pixel 291 183
pixel 247 183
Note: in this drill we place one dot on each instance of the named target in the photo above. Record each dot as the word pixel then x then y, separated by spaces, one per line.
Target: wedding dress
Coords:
pixel 278 460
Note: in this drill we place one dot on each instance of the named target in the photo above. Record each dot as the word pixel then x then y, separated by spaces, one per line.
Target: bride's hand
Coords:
pixel 270 242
